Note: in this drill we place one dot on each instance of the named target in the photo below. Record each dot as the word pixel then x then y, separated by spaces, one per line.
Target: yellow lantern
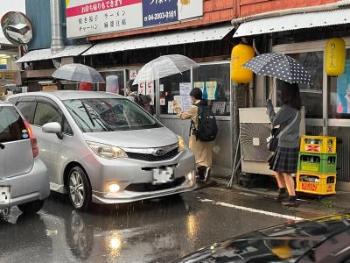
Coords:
pixel 335 56
pixel 241 54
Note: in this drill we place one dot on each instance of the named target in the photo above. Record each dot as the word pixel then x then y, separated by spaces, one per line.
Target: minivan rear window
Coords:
pixel 11 125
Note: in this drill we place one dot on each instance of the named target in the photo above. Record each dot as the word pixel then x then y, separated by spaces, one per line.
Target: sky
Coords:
pixel 10 5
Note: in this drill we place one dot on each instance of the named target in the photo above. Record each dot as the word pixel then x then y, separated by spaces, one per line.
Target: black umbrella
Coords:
pixel 279 66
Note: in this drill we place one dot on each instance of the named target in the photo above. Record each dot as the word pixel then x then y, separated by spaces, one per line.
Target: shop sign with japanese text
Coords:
pixel 91 17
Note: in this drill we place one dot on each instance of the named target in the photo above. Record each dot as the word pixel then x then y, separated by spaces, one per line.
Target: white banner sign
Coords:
pixel 91 17
pixel 98 17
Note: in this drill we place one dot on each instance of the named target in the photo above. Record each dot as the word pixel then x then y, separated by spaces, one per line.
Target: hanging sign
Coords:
pixel 142 88
pixel 150 90
pixel 91 17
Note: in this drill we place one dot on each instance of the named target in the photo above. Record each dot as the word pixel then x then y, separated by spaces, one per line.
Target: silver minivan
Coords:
pixel 104 148
pixel 23 176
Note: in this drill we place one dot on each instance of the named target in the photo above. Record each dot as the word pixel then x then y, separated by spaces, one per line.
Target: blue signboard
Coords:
pixel 157 12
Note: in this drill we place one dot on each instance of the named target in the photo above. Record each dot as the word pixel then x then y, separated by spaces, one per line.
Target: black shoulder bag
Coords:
pixel 272 141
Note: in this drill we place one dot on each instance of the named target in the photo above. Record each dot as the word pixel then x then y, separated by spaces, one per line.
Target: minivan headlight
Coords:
pixel 182 144
pixel 107 151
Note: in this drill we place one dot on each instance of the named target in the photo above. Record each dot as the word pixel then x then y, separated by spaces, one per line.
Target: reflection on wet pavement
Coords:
pixel 149 231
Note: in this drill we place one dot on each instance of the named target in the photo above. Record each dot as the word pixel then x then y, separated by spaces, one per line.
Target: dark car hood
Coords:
pixel 286 243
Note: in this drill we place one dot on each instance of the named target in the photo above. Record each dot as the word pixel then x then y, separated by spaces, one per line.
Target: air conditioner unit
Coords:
pixel 255 128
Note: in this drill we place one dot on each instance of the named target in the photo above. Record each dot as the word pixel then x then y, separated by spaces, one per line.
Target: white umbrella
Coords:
pixel 79 73
pixel 164 66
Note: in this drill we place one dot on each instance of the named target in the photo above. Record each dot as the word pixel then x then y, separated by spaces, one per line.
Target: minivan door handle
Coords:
pixel 2 146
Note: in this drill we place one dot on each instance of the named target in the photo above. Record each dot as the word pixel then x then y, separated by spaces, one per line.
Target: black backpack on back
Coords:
pixel 207 127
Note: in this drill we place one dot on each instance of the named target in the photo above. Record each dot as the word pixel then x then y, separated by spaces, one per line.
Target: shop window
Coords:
pixel 311 96
pixel 114 82
pixel 170 91
pixel 214 80
pixel 339 93
pixel 69 85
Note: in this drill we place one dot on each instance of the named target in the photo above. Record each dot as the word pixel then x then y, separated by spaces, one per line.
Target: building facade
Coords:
pixel 101 36
pixel 302 32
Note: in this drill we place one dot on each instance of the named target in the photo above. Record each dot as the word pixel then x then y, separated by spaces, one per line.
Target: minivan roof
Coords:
pixel 71 94
pixel 5 103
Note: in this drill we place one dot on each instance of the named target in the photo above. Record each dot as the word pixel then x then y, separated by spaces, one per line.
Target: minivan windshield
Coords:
pixel 109 114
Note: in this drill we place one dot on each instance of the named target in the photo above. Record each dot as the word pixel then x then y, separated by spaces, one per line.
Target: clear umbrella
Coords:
pixel 79 73
pixel 164 66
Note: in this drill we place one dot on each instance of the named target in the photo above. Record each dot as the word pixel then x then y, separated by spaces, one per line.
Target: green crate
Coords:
pixel 320 163
pixel 329 163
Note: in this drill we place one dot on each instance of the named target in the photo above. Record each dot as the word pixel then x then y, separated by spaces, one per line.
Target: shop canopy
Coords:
pixel 45 54
pixel 293 22
pixel 178 38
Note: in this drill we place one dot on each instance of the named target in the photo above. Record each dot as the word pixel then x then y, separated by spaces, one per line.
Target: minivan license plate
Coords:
pixel 4 195
pixel 162 176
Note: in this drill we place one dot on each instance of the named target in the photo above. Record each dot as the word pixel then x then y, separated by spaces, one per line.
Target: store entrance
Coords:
pixel 327 109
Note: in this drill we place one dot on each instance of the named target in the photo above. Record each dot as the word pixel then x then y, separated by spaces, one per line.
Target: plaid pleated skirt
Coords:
pixel 284 160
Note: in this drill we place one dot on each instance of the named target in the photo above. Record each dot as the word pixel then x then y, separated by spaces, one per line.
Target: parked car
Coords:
pixel 23 176
pixel 103 148
pixel 324 240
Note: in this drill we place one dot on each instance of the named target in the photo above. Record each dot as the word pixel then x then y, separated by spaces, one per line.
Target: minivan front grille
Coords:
pixel 148 187
pixel 153 158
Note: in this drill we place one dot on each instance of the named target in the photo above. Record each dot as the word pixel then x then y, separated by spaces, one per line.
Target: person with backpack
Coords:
pixel 203 132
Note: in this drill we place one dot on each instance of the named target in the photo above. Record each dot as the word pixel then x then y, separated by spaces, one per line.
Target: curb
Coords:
pixel 222 183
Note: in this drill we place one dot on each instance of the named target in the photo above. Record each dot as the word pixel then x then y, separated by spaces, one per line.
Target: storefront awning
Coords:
pixel 293 22
pixel 193 36
pixel 36 55
pixel 45 54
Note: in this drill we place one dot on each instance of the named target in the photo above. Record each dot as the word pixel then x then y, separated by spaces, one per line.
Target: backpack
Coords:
pixel 207 128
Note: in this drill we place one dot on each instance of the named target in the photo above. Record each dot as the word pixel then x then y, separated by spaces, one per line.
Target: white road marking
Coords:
pixel 252 210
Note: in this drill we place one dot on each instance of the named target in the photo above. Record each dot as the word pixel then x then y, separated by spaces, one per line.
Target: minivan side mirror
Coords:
pixel 53 127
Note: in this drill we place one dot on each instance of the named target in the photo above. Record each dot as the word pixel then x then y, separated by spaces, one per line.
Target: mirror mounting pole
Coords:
pixel 60 135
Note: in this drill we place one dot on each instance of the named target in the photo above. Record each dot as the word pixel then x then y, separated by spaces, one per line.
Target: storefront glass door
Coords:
pixel 326 101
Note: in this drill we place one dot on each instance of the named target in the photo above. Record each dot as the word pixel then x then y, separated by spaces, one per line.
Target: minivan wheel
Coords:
pixel 32 207
pixel 79 188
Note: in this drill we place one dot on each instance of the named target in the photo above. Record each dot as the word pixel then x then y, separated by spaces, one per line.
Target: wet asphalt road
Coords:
pixel 150 231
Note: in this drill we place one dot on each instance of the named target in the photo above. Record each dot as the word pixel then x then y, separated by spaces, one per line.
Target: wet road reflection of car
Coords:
pixel 128 233
pixel 155 230
pixel 27 235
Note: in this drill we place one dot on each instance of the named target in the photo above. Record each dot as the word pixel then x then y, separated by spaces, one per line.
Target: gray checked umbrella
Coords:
pixel 79 73
pixel 279 66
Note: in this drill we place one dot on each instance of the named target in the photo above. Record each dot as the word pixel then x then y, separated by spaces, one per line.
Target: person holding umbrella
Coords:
pixel 289 73
pixel 284 161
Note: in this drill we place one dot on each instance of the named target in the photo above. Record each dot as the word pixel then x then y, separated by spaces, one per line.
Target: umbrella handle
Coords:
pixel 272 89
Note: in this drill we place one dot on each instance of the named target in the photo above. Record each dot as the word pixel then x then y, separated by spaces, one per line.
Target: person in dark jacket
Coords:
pixel 284 161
